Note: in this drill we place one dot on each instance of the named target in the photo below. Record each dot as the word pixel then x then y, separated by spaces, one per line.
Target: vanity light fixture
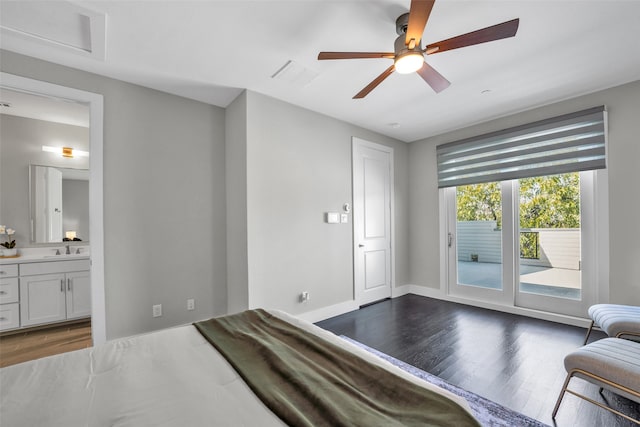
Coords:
pixel 70 235
pixel 65 151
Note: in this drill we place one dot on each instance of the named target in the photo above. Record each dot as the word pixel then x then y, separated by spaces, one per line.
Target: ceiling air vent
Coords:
pixel 27 26
pixel 295 74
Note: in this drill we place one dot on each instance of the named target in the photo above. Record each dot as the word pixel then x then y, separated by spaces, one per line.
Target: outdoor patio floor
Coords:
pixel 557 282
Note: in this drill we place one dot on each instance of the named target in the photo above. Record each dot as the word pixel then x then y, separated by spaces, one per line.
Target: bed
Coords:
pixel 177 377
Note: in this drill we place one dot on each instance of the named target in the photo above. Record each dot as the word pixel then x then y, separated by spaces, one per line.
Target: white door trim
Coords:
pixel 358 142
pixel 96 203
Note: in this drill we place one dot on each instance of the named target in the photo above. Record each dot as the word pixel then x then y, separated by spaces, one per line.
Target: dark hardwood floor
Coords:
pixel 513 360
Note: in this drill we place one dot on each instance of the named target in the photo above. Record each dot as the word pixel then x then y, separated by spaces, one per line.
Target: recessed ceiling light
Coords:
pixel 394 125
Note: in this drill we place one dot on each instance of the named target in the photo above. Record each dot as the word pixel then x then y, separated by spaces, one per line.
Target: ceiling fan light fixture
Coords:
pixel 409 62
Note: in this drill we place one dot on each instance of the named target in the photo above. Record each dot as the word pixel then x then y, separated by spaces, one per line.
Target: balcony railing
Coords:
pixel 481 241
pixel 530 244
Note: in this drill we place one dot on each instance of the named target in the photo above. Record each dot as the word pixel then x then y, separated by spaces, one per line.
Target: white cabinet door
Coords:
pixel 42 299
pixel 78 294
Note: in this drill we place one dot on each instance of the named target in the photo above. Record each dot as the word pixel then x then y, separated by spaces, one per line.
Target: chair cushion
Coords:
pixel 614 319
pixel 614 359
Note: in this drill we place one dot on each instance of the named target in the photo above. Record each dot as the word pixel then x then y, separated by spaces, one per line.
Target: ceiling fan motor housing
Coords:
pixel 399 46
pixel 402 49
pixel 402 23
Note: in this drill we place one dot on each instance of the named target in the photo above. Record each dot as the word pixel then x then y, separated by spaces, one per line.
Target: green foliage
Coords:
pixel 479 202
pixel 9 245
pixel 550 201
pixel 545 202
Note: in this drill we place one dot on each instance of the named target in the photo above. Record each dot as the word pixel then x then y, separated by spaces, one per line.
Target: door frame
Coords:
pixel 359 142
pixel 96 199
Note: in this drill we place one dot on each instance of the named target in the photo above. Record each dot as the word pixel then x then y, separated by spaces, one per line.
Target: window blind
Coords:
pixel 569 143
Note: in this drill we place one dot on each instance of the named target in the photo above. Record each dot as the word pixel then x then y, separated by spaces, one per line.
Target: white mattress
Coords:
pixel 172 377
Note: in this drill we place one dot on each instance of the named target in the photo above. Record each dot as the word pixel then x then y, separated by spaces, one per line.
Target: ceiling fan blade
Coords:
pixel 418 15
pixel 364 92
pixel 495 32
pixel 354 55
pixel 433 78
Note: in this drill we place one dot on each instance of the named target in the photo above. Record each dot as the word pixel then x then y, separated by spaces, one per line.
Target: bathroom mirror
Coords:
pixel 31 126
pixel 59 204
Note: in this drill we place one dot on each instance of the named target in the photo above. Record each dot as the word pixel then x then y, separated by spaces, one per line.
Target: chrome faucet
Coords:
pixel 68 252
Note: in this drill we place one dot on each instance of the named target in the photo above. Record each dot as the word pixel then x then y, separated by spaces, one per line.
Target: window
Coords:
pixel 519 234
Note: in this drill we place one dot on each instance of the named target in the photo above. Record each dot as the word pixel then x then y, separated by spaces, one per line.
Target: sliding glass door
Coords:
pixel 522 213
pixel 522 242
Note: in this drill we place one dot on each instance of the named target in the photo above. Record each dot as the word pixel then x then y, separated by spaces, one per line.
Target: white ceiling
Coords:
pixel 211 50
pixel 56 110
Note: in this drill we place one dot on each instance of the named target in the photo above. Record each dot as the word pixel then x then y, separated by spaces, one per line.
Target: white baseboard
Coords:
pixel 347 306
pixel 330 311
pixel 536 314
pixel 400 290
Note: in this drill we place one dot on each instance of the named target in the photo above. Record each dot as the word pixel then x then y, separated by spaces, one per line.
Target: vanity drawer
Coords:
pixel 9 316
pixel 53 267
pixel 8 270
pixel 9 290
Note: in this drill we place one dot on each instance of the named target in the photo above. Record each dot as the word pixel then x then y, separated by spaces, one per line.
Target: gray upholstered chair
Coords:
pixel 620 321
pixel 610 363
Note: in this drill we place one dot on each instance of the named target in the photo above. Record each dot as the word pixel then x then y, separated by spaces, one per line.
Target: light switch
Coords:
pixel 333 218
pixel 344 218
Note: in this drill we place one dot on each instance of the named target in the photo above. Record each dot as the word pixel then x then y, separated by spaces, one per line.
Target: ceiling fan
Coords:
pixel 408 55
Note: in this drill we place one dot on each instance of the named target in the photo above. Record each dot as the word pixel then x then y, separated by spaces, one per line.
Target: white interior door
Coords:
pixel 372 219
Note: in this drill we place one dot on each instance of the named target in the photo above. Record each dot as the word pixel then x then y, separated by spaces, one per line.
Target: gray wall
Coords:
pixel 236 169
pixel 623 105
pixel 21 141
pixel 164 199
pixel 298 167
pixel 174 169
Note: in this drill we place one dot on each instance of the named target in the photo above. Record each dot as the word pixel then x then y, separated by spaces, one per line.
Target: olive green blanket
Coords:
pixel 307 381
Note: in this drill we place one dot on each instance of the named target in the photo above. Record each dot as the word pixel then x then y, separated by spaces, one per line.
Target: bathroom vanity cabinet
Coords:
pixel 45 292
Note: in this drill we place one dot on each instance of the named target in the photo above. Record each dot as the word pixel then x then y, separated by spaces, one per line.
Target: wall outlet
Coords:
pixel 157 310
pixel 191 304
pixel 304 297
